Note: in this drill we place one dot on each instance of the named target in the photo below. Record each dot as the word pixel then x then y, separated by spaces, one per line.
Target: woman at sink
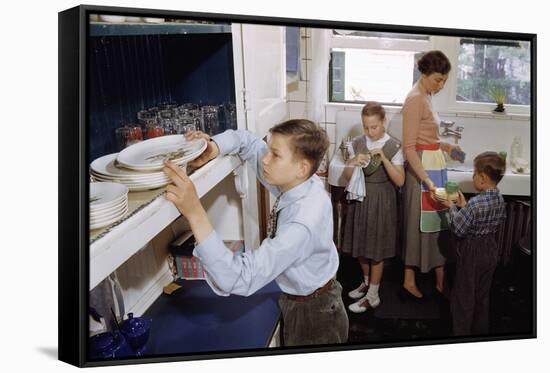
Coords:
pixel 426 226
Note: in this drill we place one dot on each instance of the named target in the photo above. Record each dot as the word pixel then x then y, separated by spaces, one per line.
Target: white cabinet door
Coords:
pixel 260 84
pixel 264 75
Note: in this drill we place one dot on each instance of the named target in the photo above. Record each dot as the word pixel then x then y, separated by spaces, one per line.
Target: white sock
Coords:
pixel 366 279
pixel 372 294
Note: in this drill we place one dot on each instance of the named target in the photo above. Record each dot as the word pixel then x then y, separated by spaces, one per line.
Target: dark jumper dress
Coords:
pixel 370 227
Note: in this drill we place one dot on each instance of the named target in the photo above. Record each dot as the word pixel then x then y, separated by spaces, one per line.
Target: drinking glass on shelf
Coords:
pixel 154 130
pixel 135 135
pixel 154 112
pixel 185 124
pixel 230 113
pixel 146 118
pixel 210 119
pixel 196 115
pixel 128 135
pixel 168 124
pixel 121 135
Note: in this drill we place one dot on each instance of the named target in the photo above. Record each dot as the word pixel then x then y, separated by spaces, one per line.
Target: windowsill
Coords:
pixel 457 113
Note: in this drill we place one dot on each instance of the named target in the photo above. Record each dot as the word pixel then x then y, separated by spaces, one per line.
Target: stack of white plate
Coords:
pixel 139 166
pixel 108 203
pixel 105 169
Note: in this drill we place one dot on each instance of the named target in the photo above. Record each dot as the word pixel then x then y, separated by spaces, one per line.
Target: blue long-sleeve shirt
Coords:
pixel 482 215
pixel 301 257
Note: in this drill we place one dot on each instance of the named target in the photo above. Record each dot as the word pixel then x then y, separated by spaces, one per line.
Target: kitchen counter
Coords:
pixel 511 184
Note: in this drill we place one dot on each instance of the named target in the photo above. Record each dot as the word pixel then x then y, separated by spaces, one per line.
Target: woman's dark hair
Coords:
pixel 308 140
pixel 373 108
pixel 434 62
pixel 491 164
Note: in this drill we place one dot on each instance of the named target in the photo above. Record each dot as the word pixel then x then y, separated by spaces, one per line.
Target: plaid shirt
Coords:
pixel 482 214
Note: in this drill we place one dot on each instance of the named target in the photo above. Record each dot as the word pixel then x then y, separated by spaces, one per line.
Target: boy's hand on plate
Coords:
pixel 208 154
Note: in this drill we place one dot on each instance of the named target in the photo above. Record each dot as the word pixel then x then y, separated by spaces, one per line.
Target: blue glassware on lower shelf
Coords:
pixel 109 345
pixel 136 331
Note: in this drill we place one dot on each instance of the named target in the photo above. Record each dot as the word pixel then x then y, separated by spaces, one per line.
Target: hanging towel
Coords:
pixel 356 187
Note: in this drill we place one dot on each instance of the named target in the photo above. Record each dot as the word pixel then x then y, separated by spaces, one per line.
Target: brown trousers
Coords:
pixel 319 320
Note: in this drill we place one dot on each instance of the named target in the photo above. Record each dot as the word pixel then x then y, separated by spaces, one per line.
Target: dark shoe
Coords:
pixel 407 296
pixel 440 296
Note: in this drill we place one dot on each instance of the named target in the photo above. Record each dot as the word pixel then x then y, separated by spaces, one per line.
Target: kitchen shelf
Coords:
pixel 165 28
pixel 149 213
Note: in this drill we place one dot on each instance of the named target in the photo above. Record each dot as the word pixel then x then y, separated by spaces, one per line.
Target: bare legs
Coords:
pixel 439 278
pixel 409 282
pixel 372 269
pixel 377 268
pixel 365 266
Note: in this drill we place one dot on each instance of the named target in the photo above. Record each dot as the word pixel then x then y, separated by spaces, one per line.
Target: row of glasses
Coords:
pixel 168 118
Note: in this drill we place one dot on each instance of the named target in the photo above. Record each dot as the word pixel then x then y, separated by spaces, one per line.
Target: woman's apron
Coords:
pixel 434 216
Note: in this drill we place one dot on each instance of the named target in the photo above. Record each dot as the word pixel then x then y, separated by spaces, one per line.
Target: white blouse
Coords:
pixel 398 159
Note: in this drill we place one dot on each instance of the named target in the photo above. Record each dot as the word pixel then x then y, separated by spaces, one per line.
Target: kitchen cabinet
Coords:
pixel 135 248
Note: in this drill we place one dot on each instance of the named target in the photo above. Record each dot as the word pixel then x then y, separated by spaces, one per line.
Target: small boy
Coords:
pixel 475 223
pixel 299 253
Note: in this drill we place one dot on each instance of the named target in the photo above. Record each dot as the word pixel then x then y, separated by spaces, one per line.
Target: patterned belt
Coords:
pixel 428 146
pixel 302 298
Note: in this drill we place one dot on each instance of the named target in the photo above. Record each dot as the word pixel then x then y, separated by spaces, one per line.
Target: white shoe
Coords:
pixel 360 292
pixel 363 304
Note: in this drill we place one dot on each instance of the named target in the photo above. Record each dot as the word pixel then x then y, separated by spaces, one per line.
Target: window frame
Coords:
pixel 445 101
pixel 360 42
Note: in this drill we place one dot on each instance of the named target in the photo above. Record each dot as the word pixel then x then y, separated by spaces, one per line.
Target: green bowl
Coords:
pixel 373 165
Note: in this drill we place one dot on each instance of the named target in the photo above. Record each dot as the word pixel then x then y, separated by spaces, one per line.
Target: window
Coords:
pixel 484 64
pixel 381 67
pixel 373 66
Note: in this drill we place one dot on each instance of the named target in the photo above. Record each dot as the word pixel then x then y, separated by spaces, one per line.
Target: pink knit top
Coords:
pixel 420 126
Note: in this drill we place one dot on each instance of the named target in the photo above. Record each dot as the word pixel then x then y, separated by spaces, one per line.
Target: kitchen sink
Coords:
pixel 511 184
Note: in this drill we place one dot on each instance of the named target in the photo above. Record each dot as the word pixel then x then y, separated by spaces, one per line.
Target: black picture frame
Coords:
pixel 73 177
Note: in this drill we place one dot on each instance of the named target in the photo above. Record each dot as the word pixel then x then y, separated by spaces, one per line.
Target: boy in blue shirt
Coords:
pixel 299 253
pixel 475 223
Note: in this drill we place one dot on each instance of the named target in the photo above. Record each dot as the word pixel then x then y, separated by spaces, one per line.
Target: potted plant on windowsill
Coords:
pixel 498 92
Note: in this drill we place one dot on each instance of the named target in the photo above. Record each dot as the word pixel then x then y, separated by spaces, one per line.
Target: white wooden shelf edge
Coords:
pixel 113 249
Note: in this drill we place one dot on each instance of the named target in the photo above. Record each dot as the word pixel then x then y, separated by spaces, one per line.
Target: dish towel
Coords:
pixel 356 189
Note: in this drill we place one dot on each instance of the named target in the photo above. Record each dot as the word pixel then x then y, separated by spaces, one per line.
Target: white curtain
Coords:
pixel 318 74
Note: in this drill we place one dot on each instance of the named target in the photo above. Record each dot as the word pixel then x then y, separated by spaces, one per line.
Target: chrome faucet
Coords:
pixel 447 131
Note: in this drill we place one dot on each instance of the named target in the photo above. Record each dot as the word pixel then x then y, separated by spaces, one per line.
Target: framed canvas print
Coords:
pixel 237 186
